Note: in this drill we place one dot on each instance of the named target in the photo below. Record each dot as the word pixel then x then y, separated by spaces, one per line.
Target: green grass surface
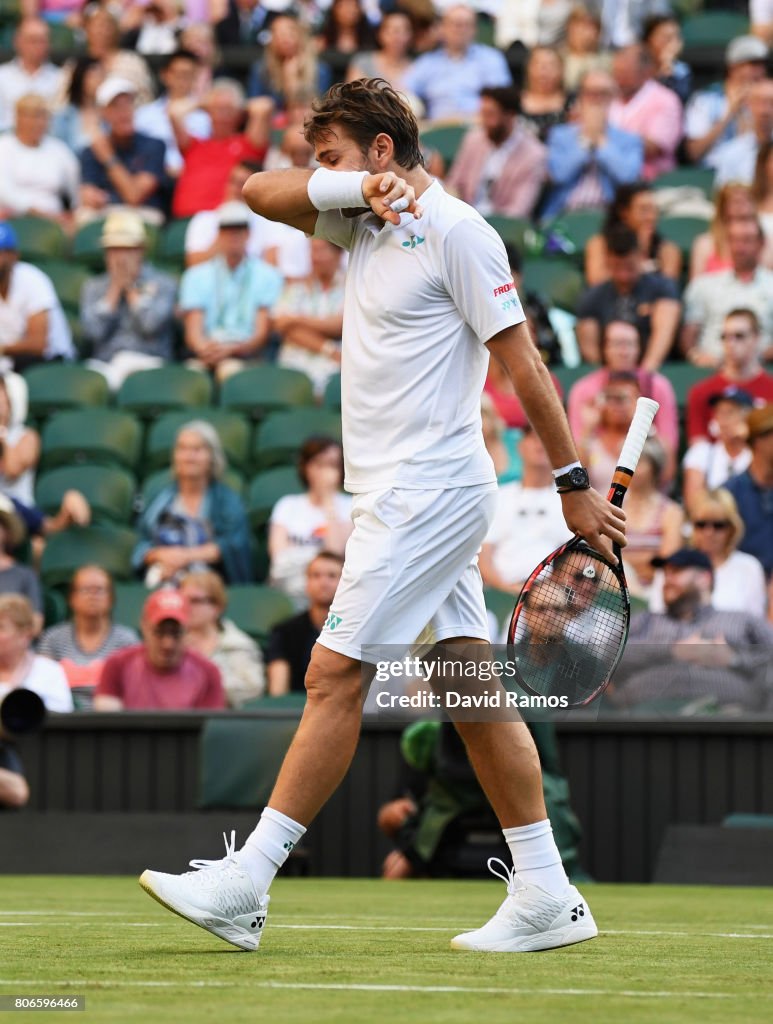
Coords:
pixel 369 951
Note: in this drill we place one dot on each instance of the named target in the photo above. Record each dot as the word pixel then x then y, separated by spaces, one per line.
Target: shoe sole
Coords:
pixel 533 943
pixel 217 926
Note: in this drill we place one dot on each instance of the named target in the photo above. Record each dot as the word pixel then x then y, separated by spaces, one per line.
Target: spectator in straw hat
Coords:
pixel 753 489
pixel 127 313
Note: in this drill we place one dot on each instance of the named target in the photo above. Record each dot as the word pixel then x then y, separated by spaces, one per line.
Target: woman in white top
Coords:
pixel 19 665
pixel 19 445
pixel 302 525
pixel 708 464
pixel 739 579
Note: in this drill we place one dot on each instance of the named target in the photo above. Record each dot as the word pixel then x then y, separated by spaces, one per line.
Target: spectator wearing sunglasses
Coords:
pixel 739 580
pixel 740 368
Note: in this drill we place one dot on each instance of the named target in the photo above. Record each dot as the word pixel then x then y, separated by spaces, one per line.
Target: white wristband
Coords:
pixel 566 469
pixel 337 190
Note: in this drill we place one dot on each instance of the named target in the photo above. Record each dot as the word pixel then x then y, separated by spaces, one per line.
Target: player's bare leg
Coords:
pixel 542 909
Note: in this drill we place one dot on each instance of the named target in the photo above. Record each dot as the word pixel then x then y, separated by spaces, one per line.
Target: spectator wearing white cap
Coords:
pixel 121 167
pixel 30 71
pixel 128 313
pixel 33 326
pixel 226 301
pixel 40 173
pixel 717 115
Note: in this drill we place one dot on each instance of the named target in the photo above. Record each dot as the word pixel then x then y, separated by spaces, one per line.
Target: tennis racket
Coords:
pixel 570 624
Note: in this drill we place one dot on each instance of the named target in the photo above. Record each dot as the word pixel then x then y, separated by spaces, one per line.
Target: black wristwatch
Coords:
pixel 575 480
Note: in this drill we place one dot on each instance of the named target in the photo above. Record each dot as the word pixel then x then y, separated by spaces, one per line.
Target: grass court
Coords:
pixel 370 951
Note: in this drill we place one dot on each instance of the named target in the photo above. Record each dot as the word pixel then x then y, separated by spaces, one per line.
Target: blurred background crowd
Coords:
pixel 172 522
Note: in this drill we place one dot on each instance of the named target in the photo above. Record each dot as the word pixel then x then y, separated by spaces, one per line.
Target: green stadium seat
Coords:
pixel 515 230
pixel 556 280
pixel 713 29
pixel 682 377
pixel 682 231
pixel 108 490
pixel 267 488
pixel 108 546
pixel 101 436
pixel 695 177
pixel 240 759
pixel 39 238
pixel 257 609
pixel 170 249
pixel 129 599
pixel 54 608
pixel 156 482
pixel 567 375
pixel 264 389
pixel 232 429
pixel 502 604
pixel 68 280
pixel 279 438
pixel 578 226
pixel 56 386
pixel 148 393
pixel 87 245
pixel 445 139
pixel 332 396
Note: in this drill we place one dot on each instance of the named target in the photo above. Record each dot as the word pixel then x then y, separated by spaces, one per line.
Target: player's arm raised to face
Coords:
pixel 283 196
pixel 586 512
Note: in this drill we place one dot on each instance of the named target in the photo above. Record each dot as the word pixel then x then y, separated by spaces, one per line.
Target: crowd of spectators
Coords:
pixel 152 118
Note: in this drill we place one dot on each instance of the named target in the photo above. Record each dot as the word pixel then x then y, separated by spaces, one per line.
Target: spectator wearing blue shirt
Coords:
pixel 589 158
pixel 448 81
pixel 123 167
pixel 226 300
pixel 753 490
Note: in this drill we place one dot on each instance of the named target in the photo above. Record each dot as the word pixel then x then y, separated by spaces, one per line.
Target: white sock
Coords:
pixel 268 847
pixel 536 857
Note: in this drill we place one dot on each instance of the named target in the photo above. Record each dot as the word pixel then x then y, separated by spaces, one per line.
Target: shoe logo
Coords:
pixel 413 242
pixel 578 911
pixel 258 923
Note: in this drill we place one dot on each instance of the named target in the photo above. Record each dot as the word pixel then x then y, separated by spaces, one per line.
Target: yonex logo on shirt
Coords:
pixel 413 242
pixel 332 622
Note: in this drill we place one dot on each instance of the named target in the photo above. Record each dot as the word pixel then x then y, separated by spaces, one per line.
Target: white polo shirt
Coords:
pixel 421 300
pixel 30 292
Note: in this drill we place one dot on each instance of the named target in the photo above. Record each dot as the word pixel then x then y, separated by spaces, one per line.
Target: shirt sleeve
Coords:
pixel 479 279
pixel 275 650
pixel 697 456
pixel 590 306
pixel 201 233
pixel 192 292
pixel 334 227
pixel 213 695
pixel 697 117
pixel 111 680
pixel 38 293
pixel 694 302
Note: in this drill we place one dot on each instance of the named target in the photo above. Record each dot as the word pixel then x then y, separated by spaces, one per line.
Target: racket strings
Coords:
pixel 570 626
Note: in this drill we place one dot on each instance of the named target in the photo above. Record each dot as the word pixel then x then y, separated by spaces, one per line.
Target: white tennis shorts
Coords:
pixel 411 560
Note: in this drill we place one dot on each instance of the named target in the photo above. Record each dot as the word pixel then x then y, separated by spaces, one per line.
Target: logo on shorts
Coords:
pixel 332 622
pixel 413 242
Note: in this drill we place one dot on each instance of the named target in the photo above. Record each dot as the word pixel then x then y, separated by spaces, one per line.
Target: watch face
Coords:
pixel 578 477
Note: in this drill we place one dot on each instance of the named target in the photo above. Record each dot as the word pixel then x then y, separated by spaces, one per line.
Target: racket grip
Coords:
pixel 637 433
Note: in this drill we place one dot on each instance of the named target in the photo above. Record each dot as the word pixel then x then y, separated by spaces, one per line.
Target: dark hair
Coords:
pixel 624 377
pixel 330 556
pixel 621 240
pixel 366 36
pixel 506 96
pixel 750 315
pixel 654 22
pixel 313 447
pixel 365 108
pixel 77 79
pixel 180 54
pixel 623 197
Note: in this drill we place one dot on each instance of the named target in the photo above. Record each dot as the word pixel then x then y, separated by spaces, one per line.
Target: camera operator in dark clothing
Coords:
pixel 20 711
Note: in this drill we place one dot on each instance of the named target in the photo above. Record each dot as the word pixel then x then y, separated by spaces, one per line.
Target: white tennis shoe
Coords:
pixel 530 919
pixel 218 895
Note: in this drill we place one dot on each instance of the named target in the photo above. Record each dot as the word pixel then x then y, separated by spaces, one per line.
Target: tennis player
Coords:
pixel 429 297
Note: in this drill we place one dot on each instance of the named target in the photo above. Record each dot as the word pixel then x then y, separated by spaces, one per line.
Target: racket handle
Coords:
pixel 637 434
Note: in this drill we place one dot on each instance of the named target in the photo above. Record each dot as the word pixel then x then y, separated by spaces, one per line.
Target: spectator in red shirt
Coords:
pixel 161 673
pixel 740 367
pixel 208 162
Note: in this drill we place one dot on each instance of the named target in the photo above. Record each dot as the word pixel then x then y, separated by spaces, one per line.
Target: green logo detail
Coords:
pixel 332 622
pixel 289 847
pixel 413 242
